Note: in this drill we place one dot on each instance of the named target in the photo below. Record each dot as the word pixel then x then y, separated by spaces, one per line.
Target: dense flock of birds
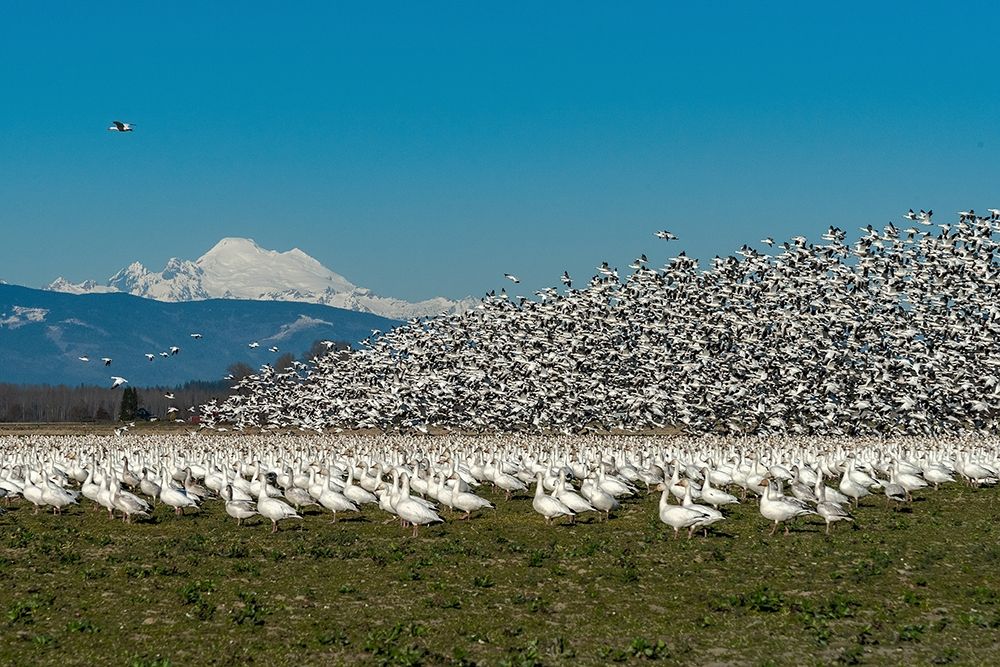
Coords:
pixel 419 480
pixel 893 333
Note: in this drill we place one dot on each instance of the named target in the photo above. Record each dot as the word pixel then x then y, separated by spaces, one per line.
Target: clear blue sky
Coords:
pixel 425 149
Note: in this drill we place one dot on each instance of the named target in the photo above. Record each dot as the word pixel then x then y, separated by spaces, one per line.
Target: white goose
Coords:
pixel 547 506
pixel 274 509
pixel 411 511
pixel 780 509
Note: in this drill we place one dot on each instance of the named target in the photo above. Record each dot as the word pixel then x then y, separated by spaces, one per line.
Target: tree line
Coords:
pixel 89 403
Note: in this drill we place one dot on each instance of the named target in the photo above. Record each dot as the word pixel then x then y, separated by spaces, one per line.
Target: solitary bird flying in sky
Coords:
pixel 118 126
pixel 117 381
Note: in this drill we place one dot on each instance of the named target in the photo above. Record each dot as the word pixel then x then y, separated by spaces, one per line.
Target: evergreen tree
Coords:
pixel 130 404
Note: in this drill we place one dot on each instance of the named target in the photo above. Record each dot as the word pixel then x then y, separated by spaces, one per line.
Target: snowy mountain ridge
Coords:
pixel 238 268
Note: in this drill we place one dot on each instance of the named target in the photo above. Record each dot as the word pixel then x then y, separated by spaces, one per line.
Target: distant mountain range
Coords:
pixel 43 334
pixel 237 268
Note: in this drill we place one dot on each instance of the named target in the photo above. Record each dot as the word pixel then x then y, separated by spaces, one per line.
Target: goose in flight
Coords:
pixel 254 344
pixel 665 235
pixel 170 396
pixel 196 335
pixel 273 348
pixel 117 381
pixel 566 280
pixel 106 360
pixel 118 126
pixel 150 356
pixel 512 278
pixel 84 359
pixel 174 350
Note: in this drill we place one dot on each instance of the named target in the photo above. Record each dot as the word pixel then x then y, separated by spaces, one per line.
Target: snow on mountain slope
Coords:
pixel 237 268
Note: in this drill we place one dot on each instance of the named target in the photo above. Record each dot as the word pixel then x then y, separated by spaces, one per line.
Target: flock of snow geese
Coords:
pixel 417 479
pixel 893 334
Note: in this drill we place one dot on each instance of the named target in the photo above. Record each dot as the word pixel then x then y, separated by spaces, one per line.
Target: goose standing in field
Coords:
pixel 713 496
pixel 780 509
pixel 175 498
pixel 240 510
pixel 547 506
pixel 335 501
pixel 893 490
pixel 598 497
pixel 467 502
pixel 414 513
pixel 678 516
pixel 274 509
pixel 56 496
pixel 711 515
pixel 128 504
pixel 148 487
pixel 571 499
pixel 851 488
pixel 830 511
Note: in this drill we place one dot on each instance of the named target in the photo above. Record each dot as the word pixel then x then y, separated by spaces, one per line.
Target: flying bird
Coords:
pixel 118 126
pixel 117 381
pixel 254 344
pixel 665 235
pixel 196 335
pixel 106 360
pixel 84 358
pixel 174 350
pixel 512 278
pixel 150 356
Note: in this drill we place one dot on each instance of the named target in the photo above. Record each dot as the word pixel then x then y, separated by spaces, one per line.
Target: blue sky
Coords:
pixel 424 149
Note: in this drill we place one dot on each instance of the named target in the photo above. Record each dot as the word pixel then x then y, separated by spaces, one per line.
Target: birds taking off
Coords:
pixel 118 126
pixel 117 381
pixel 665 235
pixel 512 278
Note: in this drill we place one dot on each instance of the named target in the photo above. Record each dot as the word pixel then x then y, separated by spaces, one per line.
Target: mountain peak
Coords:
pixel 238 268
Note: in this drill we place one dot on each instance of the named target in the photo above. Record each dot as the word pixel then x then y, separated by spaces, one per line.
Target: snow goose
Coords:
pixel 127 503
pixel 467 502
pixel 274 509
pixel 677 516
pixel 238 509
pixel 414 513
pixel 175 498
pixel 714 496
pixel 830 511
pixel 712 515
pixel 547 506
pixel 780 509
pixel 334 500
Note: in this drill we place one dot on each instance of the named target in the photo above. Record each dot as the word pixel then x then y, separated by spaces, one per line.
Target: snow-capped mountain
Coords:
pixel 237 268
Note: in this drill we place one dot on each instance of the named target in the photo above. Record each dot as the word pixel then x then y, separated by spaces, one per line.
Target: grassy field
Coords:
pixel 917 586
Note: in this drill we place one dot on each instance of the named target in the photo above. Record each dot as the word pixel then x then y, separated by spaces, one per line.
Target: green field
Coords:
pixel 918 585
